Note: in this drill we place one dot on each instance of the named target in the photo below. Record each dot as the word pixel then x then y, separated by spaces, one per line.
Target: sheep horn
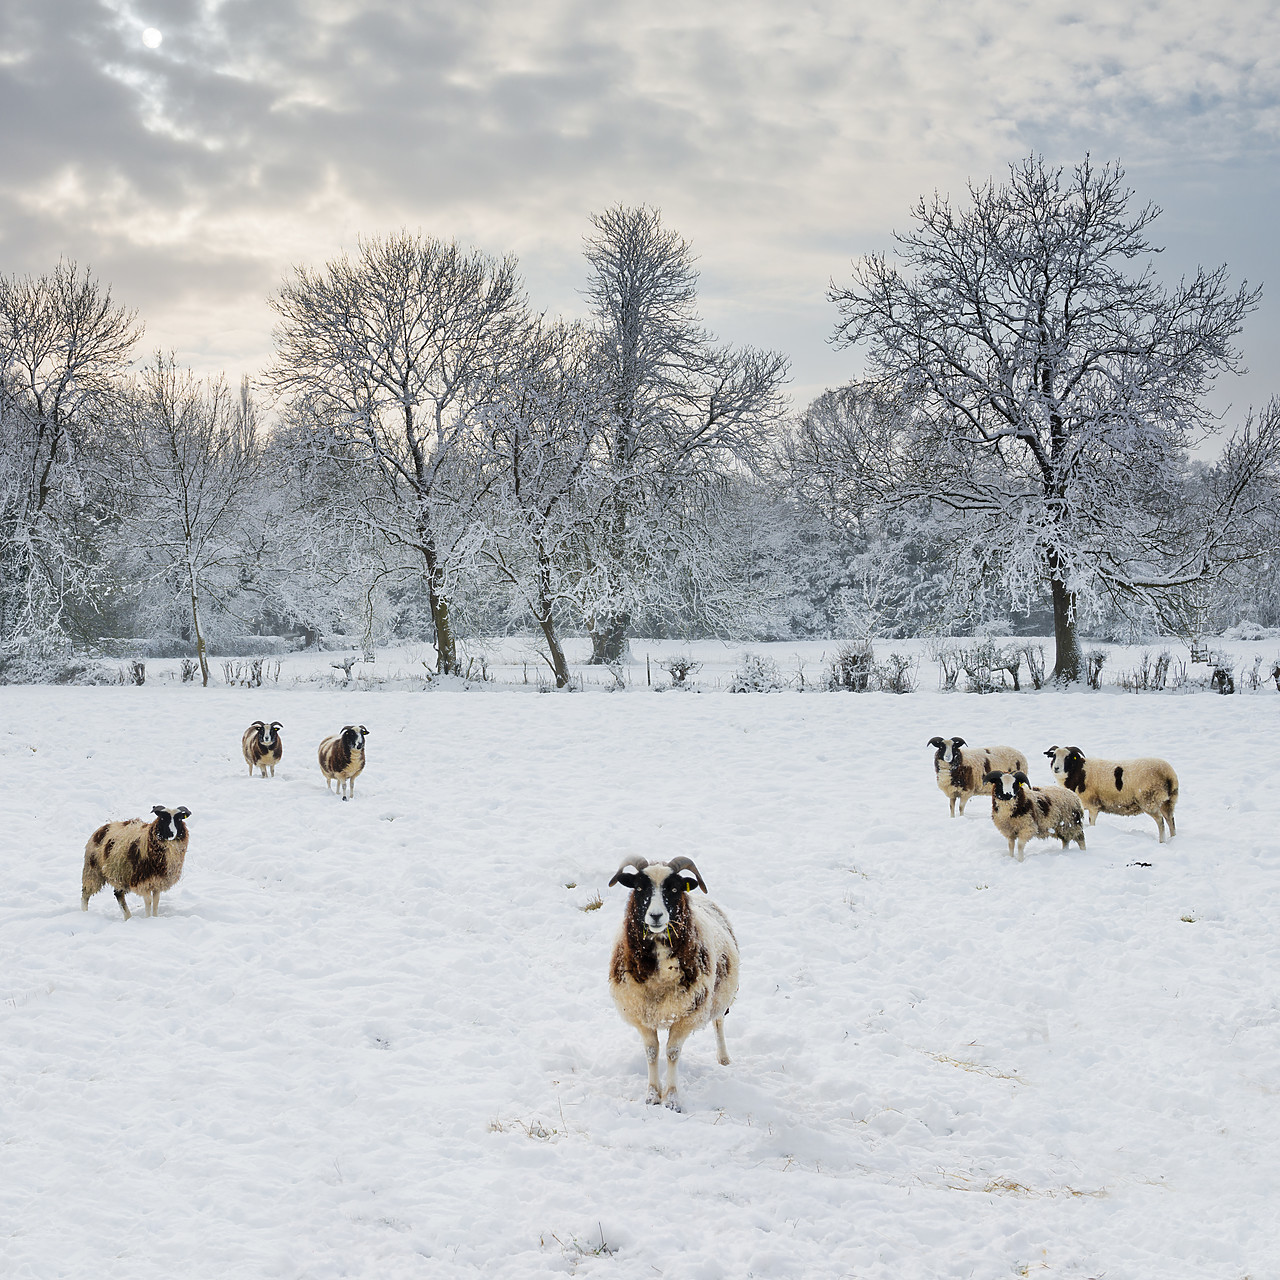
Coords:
pixel 686 864
pixel 635 860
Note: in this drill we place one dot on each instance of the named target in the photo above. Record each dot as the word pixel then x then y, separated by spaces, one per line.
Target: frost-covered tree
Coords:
pixel 187 460
pixel 1030 374
pixel 536 441
pixel 683 411
pixel 390 354
pixel 64 344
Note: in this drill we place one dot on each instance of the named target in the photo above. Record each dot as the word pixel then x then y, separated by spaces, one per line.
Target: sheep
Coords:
pixel 674 965
pixel 137 857
pixel 1147 785
pixel 262 746
pixel 1022 812
pixel 342 758
pixel 960 768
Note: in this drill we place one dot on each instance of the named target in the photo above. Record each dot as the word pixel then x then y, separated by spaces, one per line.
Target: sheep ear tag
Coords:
pixel 689 883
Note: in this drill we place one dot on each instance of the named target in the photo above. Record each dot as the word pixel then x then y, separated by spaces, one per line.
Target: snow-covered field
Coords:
pixel 374 1039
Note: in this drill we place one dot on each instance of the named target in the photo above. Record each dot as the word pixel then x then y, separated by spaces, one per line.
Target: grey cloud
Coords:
pixel 782 138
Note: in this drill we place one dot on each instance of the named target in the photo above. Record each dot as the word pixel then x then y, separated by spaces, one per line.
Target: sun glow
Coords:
pixel 152 38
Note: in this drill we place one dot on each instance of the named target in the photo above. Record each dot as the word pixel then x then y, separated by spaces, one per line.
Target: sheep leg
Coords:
pixel 650 1038
pixel 1093 816
pixel 676 1037
pixel 1011 853
pixel 123 905
pixel 964 800
pixel 1168 815
pixel 1022 848
pixel 953 806
pixel 722 1052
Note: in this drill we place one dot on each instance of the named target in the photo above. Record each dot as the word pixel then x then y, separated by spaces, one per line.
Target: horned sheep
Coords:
pixel 342 758
pixel 136 857
pixel 1022 812
pixel 262 746
pixel 1127 787
pixel 674 965
pixel 960 768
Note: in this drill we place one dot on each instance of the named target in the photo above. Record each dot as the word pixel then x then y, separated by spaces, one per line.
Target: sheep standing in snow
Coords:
pixel 262 746
pixel 960 769
pixel 1022 812
pixel 674 965
pixel 1147 785
pixel 342 758
pixel 136 857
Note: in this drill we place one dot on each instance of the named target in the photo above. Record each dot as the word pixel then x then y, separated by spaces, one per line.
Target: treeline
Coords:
pixel 430 457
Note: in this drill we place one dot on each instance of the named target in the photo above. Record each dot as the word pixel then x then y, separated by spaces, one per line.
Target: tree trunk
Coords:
pixel 558 664
pixel 195 625
pixel 446 645
pixel 1067 661
pixel 609 639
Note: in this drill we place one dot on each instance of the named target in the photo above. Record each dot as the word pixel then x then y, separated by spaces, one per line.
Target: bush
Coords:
pixel 680 668
pixel 756 674
pixel 854 667
pixel 897 674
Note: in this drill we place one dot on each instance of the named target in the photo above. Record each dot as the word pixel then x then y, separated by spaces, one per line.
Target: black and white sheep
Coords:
pixel 134 856
pixel 342 758
pixel 1127 787
pixel 262 746
pixel 1022 812
pixel 674 965
pixel 960 769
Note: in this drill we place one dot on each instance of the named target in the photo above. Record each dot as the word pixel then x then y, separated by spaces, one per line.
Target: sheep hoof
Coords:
pixel 672 1102
pixel 653 1097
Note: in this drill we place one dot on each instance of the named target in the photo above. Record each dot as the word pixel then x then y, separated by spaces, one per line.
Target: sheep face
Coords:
pixel 948 748
pixel 1068 766
pixel 658 894
pixel 1004 786
pixel 353 737
pixel 267 733
pixel 170 824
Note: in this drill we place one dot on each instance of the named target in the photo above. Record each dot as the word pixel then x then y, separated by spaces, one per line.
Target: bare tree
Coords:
pixel 63 345
pixel 187 459
pixel 1042 388
pixel 390 354
pixel 538 438
pixel 682 410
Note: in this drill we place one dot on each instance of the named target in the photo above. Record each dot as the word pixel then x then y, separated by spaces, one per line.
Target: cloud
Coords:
pixel 782 138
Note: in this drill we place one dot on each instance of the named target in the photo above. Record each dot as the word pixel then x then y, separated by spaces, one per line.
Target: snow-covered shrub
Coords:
pixel 1245 630
pixel 1033 656
pixel 980 663
pixel 897 674
pixel 947 656
pixel 1146 675
pixel 1093 663
pixel 680 668
pixel 756 674
pixel 854 667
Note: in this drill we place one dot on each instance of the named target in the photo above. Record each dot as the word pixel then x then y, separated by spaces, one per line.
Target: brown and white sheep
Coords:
pixel 1127 787
pixel 342 758
pixel 1022 812
pixel 674 965
pixel 960 768
pixel 134 856
pixel 262 746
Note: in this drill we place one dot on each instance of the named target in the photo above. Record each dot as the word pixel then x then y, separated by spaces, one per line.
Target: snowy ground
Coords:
pixel 374 1039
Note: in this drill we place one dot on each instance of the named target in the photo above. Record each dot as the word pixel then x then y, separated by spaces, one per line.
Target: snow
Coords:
pixel 375 1039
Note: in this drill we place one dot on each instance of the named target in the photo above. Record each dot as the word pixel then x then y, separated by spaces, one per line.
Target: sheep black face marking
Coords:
pixel 658 906
pixel 267 734
pixel 353 737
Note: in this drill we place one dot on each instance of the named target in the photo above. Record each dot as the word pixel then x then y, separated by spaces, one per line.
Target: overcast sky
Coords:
pixel 782 137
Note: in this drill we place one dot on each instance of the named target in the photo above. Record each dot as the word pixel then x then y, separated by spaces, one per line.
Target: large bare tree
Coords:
pixel 187 460
pixel 1045 387
pixel 682 410
pixel 391 352
pixel 64 344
